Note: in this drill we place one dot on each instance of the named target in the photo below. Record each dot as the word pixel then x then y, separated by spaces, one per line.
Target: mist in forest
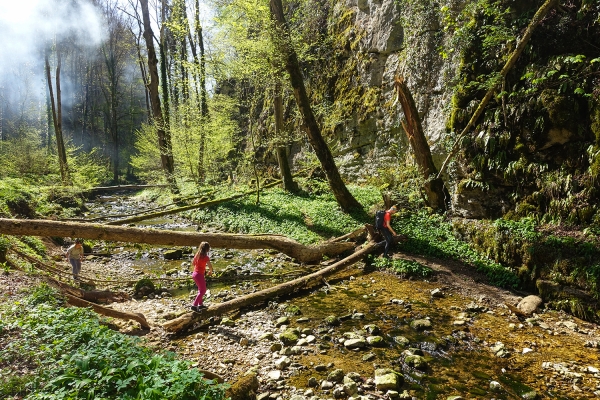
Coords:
pixel 29 28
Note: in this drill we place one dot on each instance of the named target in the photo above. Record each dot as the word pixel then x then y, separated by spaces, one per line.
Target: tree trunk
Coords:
pixel 57 118
pixel 203 95
pixel 537 18
pixel 280 243
pixel 261 296
pixel 437 194
pixel 344 198
pixel 109 312
pixel 164 137
pixel 282 157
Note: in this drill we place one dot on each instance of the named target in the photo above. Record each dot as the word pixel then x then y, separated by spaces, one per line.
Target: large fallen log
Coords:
pixel 282 244
pixel 186 320
pixel 108 312
pixel 188 207
pixel 101 189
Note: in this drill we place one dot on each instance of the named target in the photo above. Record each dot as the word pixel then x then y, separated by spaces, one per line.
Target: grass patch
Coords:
pixel 404 268
pixel 432 235
pixel 309 218
pixel 70 355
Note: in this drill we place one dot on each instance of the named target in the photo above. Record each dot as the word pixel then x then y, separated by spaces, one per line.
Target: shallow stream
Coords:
pixel 471 346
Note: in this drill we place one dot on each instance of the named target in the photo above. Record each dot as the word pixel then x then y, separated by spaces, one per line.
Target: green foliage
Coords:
pixel 432 236
pixel 404 268
pixel 35 244
pixel 75 357
pixel 44 294
pixel 308 219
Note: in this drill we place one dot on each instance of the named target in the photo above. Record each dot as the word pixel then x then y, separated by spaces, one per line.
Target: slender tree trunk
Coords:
pixel 436 192
pixel 282 158
pixel 346 201
pixel 203 96
pixel 537 18
pixel 57 117
pixel 164 137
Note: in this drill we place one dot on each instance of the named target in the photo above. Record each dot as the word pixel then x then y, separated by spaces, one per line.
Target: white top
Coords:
pixel 75 252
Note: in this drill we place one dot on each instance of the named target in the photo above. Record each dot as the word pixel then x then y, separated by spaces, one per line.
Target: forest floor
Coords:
pixel 552 353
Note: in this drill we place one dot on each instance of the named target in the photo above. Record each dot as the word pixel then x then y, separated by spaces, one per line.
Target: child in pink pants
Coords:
pixel 201 260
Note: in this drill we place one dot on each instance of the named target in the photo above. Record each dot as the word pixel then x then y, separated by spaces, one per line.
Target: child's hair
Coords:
pixel 78 241
pixel 203 248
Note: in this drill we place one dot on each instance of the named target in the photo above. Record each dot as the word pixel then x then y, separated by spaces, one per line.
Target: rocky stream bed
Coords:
pixel 363 334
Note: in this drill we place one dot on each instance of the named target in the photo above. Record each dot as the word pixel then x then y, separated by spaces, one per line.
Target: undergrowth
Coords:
pixel 66 353
pixel 431 235
pixel 308 218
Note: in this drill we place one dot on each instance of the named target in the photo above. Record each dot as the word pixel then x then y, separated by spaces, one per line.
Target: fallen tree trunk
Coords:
pixel 287 246
pixel 100 189
pixel 185 321
pixel 108 312
pixel 187 208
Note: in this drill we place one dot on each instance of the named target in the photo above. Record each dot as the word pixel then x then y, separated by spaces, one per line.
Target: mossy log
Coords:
pixel 185 321
pixel 108 312
pixel 287 246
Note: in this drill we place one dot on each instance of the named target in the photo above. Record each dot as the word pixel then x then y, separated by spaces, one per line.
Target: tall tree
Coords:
pixel 56 106
pixel 281 147
pixel 343 196
pixel 164 137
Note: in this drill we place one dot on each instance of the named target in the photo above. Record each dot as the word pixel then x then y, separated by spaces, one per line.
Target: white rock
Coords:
pixel 527 350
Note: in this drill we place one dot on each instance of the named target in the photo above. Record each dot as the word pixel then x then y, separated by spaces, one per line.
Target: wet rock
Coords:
pixel 274 375
pixel 289 337
pixel 529 304
pixel 245 388
pixel 337 375
pixel 375 341
pixel 332 320
pixel 392 394
pixel 499 350
pixel 312 382
pixel 386 379
pixel 420 324
pixel 173 254
pixel 353 344
pixel 302 320
pixel 286 351
pixel 282 321
pixel 350 387
pixel 339 393
pixel 263 396
pixel 570 324
pixel 401 340
pixel 320 368
pixel 416 361
pixel 455 398
pixel 283 363
pixel 437 293
pixel 495 386
pixel 276 347
pixel 358 316
pixel 310 339
pixel 369 357
pixel 372 329
pixel 326 385
pixel 267 336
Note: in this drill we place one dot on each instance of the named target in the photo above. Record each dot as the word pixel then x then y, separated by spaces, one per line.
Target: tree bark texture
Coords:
pixel 537 18
pixel 287 246
pixel 437 194
pixel 109 312
pixel 282 158
pixel 344 198
pixel 187 320
pixel 57 118
pixel 164 138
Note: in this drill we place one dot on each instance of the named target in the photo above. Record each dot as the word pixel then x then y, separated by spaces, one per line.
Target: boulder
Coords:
pixel 529 304
pixel 387 379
